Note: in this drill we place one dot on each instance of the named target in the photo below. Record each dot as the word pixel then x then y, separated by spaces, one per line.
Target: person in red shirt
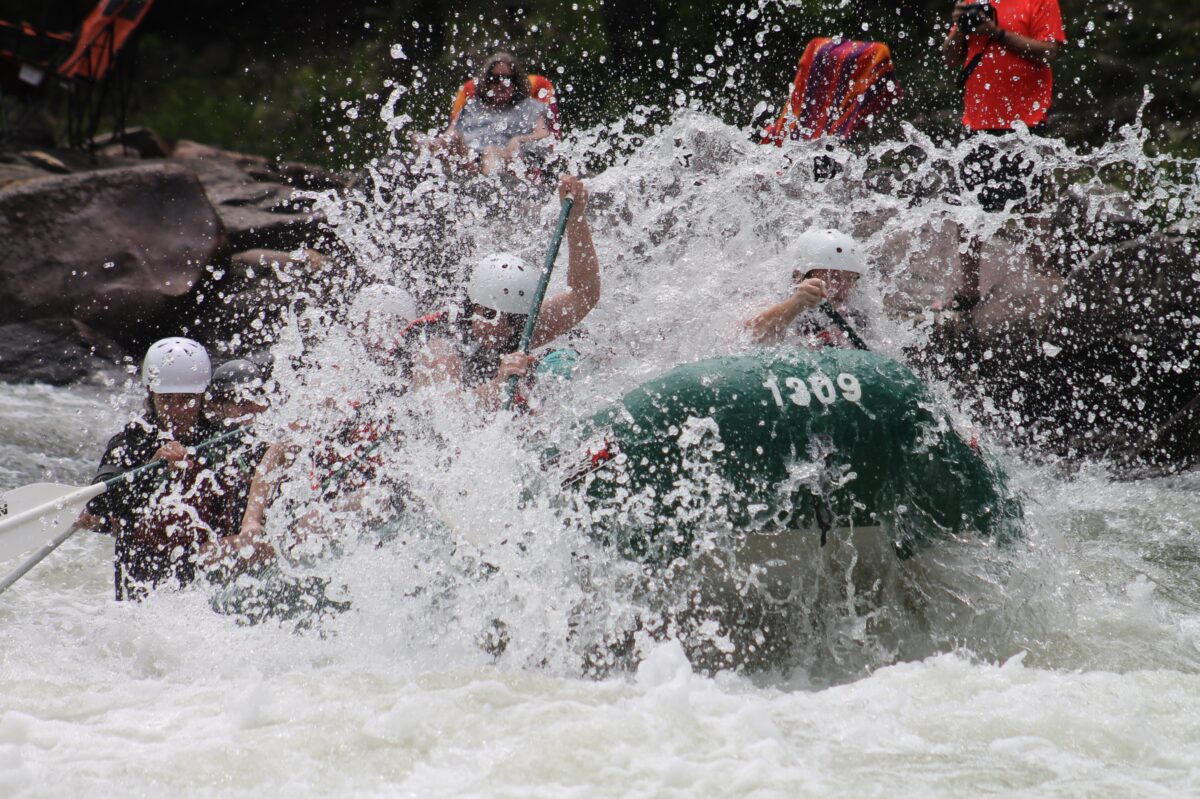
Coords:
pixel 1005 60
pixel 1003 49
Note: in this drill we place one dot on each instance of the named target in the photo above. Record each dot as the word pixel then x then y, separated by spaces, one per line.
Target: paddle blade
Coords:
pixel 32 515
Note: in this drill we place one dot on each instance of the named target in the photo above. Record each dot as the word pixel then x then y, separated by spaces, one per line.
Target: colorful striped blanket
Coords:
pixel 841 87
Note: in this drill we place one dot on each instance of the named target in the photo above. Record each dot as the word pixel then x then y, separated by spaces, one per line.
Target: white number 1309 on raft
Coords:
pixel 818 386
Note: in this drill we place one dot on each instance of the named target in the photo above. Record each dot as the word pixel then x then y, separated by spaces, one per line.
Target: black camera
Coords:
pixel 973 14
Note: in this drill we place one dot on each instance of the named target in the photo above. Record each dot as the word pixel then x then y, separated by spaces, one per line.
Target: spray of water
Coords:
pixel 458 540
pixel 449 541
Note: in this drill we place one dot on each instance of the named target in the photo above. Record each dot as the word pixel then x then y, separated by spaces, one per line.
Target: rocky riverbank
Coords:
pixel 1088 350
pixel 103 255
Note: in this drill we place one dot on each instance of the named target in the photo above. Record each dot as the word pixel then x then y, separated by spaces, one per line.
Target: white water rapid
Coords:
pixel 491 648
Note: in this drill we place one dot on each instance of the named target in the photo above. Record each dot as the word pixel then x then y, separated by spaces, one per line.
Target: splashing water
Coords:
pixel 491 647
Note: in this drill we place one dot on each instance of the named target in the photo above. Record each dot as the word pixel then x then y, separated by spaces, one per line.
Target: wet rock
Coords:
pixel 13 174
pixel 309 177
pixel 116 155
pixel 142 142
pixel 45 162
pixel 271 196
pixel 111 248
pixel 50 160
pixel 134 247
pixel 301 265
pixel 187 150
pixel 260 168
pixel 255 203
pixel 242 303
pixel 58 351
pixel 254 227
pixel 19 166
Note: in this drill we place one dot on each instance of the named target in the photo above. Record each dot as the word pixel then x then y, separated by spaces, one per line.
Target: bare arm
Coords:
pixel 1024 46
pixel 89 521
pixel 540 131
pixel 247 547
pixel 513 364
pixel 954 47
pixel 262 486
pixel 563 311
pixel 770 326
pixel 235 552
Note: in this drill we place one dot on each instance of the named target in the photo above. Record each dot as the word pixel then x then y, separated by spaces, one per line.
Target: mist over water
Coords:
pixel 492 648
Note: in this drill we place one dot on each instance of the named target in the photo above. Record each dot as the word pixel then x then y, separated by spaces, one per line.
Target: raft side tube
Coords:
pixel 803 440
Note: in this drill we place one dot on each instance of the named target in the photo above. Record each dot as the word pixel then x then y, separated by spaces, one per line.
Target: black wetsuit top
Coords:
pixel 138 565
pixel 821 331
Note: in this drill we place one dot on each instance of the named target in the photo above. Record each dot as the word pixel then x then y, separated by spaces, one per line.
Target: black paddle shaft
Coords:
pixel 841 322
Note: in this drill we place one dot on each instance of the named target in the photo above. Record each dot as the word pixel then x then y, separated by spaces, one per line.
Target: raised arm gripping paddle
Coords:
pixel 540 294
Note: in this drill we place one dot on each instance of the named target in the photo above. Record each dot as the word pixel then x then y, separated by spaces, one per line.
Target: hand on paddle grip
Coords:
pixel 515 364
pixel 573 187
pixel 172 452
pixel 809 292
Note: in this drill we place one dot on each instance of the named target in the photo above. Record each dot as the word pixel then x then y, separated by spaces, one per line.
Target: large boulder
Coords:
pixel 112 248
pixel 57 351
pixel 243 302
pixel 254 196
pixel 140 142
pixel 13 173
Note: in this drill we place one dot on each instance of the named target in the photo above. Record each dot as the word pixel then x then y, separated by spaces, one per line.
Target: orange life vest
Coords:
pixel 540 89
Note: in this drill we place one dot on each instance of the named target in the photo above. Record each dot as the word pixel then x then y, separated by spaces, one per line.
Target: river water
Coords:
pixel 1064 665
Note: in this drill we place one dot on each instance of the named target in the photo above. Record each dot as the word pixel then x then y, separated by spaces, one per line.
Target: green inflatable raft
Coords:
pixel 816 441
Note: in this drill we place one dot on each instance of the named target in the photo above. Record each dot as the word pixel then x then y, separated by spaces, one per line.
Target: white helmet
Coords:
pixel 503 282
pixel 176 366
pixel 827 249
pixel 382 309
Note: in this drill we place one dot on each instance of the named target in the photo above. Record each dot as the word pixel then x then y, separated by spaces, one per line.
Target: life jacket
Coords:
pixel 540 89
pixel 162 542
pixel 819 333
pixel 157 520
pixel 346 462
